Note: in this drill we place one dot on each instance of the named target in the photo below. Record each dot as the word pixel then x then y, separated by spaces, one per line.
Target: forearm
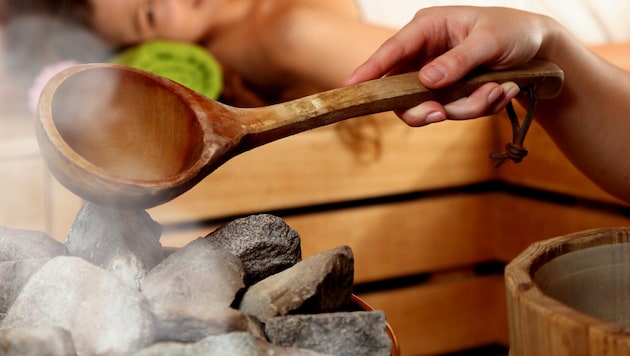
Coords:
pixel 590 120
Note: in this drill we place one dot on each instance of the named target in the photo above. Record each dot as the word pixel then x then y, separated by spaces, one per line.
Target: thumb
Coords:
pixel 449 67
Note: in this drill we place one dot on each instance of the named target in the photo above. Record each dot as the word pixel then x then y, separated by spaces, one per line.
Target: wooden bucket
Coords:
pixel 570 295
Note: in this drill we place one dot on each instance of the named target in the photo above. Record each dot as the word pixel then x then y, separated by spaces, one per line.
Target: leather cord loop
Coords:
pixel 515 151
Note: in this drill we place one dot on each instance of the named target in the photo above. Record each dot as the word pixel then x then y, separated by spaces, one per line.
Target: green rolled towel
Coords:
pixel 185 63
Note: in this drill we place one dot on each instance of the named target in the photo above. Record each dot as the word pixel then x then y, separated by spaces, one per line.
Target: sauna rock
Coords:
pixel 46 340
pixel 185 303
pixel 18 244
pixel 103 314
pixel 126 242
pixel 319 283
pixel 264 243
pixel 197 273
pixel 14 275
pixel 236 343
pixel 362 332
pixel 194 321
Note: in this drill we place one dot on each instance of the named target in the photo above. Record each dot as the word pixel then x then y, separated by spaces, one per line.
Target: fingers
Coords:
pixel 379 64
pixel 446 43
pixel 398 50
pixel 451 66
pixel 488 99
pixel 424 114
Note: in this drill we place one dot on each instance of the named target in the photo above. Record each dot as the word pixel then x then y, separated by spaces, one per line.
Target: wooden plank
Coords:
pixel 442 317
pixel 352 160
pixel 520 221
pixel 18 148
pixel 323 166
pixel 494 226
pixel 331 164
pixel 23 194
pixel 391 240
pixel 404 238
pixel 23 174
pixel 64 208
pixel 431 234
pixel 615 53
pixel 547 168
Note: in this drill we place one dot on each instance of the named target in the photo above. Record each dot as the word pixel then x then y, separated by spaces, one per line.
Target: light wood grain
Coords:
pixel 328 165
pixel 547 168
pixel 441 317
pixel 323 166
pixel 542 325
pixel 433 234
pixel 141 140
pixel 23 194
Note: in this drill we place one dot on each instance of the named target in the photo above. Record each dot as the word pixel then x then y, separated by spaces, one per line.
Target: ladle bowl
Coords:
pixel 122 136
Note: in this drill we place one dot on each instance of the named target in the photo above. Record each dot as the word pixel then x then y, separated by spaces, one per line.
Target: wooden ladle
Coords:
pixel 121 136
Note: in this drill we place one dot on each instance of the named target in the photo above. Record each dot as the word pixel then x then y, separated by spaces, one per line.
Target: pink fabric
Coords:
pixel 43 77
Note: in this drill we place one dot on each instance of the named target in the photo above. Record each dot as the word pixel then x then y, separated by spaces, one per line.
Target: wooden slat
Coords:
pixel 23 194
pixel 435 233
pixel 396 239
pixel 519 222
pixel 318 167
pixel 64 207
pixel 547 168
pixel 441 317
pixel 18 148
pixel 615 53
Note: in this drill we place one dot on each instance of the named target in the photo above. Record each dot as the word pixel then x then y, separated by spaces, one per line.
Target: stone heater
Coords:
pixel 112 289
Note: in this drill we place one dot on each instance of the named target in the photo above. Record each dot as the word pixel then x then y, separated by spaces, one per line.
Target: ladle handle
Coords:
pixel 385 94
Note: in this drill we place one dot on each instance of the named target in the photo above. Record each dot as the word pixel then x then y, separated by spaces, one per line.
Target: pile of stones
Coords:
pixel 112 289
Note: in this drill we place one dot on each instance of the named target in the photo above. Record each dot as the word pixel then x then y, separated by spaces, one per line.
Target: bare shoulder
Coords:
pixel 342 7
pixel 348 8
pixel 271 46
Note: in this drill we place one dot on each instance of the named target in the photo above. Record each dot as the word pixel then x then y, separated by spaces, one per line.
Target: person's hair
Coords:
pixel 72 11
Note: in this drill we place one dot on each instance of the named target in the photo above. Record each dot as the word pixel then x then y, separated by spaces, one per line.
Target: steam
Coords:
pixel 48 72
pixel 36 41
pixel 37 47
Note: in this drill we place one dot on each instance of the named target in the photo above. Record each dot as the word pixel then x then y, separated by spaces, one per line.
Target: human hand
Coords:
pixel 446 43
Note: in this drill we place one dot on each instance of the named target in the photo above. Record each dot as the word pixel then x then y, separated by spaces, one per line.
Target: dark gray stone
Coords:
pixel 342 333
pixel 320 283
pixel 194 274
pixel 18 244
pixel 124 241
pixel 103 315
pixel 264 243
pixel 41 341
